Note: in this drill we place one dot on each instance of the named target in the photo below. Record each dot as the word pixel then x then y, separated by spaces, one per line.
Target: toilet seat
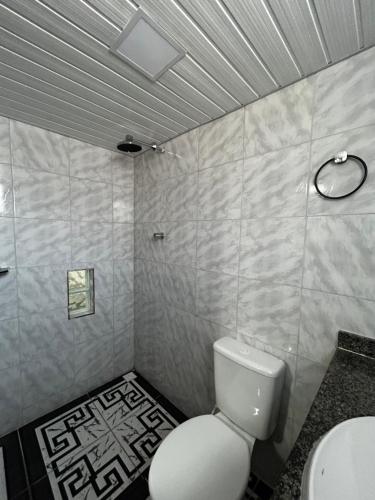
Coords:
pixel 202 459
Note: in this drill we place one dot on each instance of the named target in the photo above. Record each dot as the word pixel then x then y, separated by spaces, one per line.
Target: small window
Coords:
pixel 81 296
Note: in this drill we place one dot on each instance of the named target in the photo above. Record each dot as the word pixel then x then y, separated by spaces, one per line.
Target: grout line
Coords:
pixel 28 485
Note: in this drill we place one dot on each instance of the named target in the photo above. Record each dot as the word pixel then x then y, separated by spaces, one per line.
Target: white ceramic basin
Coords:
pixel 342 464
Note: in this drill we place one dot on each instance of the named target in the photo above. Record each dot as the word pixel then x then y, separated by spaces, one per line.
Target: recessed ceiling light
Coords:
pixel 143 45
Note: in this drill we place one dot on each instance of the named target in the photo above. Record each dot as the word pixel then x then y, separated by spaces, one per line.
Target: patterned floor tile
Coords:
pixel 70 432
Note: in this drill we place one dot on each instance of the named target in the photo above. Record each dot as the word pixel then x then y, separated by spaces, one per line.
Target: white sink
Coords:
pixel 341 466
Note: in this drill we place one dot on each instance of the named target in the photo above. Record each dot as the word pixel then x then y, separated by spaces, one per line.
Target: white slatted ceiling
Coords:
pixel 56 70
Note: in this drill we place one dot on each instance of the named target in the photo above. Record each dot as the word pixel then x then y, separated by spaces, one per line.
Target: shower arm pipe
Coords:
pixel 155 147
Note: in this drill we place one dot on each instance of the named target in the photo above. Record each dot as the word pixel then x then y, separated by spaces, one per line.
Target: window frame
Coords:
pixel 89 290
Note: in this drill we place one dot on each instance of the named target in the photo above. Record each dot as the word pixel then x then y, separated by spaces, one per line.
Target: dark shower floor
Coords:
pixel 96 447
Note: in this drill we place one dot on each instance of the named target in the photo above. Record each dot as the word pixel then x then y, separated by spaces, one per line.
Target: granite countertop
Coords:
pixel 347 391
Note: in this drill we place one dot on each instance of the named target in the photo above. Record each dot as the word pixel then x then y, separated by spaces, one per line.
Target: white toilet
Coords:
pixel 208 457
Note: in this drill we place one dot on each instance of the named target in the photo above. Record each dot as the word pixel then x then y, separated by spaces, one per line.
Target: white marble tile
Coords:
pixel 4 140
pixel 178 287
pixel 42 243
pixel 91 200
pixel 6 192
pixel 149 278
pixel 269 313
pixel 218 246
pixel 181 197
pixel 8 295
pixel 181 243
pixel 339 255
pixel 44 332
pixel 146 246
pixel 122 170
pixel 155 166
pixel 123 351
pixel 279 120
pixel 123 204
pixel 7 253
pixel 219 192
pixel 39 194
pixel 41 289
pixel 123 311
pixel 93 363
pixel 336 180
pixel 9 343
pixel 221 140
pixel 123 241
pixel 46 378
pixel 182 154
pixel 91 241
pixel 323 315
pixel 40 407
pixel 217 297
pixel 272 249
pixel 152 207
pixel 123 270
pixel 10 400
pixel 275 184
pixel 37 148
pixel 89 162
pixel 344 95
pixel 309 376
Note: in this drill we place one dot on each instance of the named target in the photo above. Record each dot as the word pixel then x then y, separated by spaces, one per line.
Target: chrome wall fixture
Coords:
pixel 4 270
pixel 158 236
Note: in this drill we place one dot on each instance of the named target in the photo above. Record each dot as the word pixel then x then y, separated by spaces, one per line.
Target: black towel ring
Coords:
pixel 341 159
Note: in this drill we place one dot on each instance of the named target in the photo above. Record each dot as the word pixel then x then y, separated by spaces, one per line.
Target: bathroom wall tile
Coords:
pixel 34 147
pixel 272 249
pixel 219 192
pixel 47 378
pixel 145 245
pixel 91 241
pixel 269 313
pixel 122 170
pixel 181 197
pixel 153 201
pixel 94 364
pixel 9 343
pixel 91 201
pixel 217 298
pixel 8 295
pixel 7 254
pixel 138 202
pixel 123 241
pixel 181 243
pixel 178 287
pixel 41 243
pixel 41 289
pixel 123 360
pixel 148 279
pixel 6 193
pixel 309 376
pixel 123 203
pixel 4 140
pixel 227 131
pixel 10 399
pixel 343 178
pixel 123 270
pixel 155 166
pixel 95 326
pixel 123 311
pixel 275 184
pixel 45 332
pixel 182 154
pixel 323 315
pixel 279 120
pixel 103 275
pixel 218 246
pixel 344 95
pixel 339 255
pixel 90 162
pixel 39 194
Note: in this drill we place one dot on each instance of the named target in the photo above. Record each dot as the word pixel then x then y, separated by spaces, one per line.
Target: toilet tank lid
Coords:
pixel 249 357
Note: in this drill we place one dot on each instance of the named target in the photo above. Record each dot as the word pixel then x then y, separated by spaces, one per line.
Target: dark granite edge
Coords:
pixel 356 344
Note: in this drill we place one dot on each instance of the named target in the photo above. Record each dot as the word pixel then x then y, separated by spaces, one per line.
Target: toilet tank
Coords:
pixel 248 386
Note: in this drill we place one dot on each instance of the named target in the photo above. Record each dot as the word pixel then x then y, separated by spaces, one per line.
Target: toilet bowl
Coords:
pixel 208 457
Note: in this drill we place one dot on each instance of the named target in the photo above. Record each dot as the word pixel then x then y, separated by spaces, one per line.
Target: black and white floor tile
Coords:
pixel 97 447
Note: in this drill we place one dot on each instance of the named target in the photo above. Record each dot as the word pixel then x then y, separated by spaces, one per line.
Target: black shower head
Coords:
pixel 128 146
